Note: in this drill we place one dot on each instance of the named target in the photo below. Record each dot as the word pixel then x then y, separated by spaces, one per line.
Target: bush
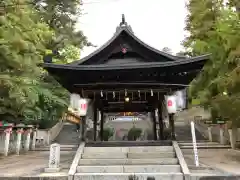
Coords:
pixel 107 133
pixel 134 133
pixel 150 178
pixel 132 177
pixel 167 134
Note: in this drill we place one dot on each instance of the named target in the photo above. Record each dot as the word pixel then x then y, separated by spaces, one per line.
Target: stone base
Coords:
pixel 52 170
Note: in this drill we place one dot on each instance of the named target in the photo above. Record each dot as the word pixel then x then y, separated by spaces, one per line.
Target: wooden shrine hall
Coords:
pixel 127 75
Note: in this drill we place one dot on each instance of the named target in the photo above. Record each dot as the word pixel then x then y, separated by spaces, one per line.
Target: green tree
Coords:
pixel 214 28
pixel 27 92
pixel 62 16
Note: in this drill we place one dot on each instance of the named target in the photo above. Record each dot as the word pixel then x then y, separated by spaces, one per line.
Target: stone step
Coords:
pixel 207 147
pixel 165 161
pixel 103 155
pixel 151 149
pixel 125 176
pixel 198 143
pixel 149 155
pixel 62 148
pixel 130 169
pixel 105 149
pixel 190 141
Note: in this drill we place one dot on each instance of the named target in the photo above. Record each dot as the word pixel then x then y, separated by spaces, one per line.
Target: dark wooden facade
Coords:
pixel 127 67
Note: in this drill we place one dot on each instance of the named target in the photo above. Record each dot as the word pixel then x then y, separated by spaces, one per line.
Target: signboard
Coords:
pixel 71 117
pixel 171 104
pixel 194 144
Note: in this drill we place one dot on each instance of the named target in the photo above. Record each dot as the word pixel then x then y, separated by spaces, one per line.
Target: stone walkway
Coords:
pixel 224 159
pixel 32 164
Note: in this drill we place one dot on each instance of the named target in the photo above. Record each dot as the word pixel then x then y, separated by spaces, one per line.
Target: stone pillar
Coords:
pixel 233 136
pixel 28 139
pixel 172 125
pixel 149 116
pixel 54 159
pixel 210 134
pixel 34 139
pixel 8 132
pixel 221 135
pixel 19 140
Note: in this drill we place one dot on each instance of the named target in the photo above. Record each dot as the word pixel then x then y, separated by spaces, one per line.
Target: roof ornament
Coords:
pixel 123 23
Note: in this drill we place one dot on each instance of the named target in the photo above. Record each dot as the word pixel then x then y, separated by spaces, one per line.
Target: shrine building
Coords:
pixel 127 75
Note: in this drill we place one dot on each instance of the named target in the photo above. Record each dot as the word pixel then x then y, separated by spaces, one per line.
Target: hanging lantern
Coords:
pixel 83 106
pixel 74 101
pixel 171 104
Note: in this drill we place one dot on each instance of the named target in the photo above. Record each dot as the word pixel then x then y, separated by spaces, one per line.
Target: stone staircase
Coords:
pixel 68 139
pixel 121 162
pixel 202 145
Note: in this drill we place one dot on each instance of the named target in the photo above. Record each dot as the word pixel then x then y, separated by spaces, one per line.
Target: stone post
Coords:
pixel 54 159
pixel 28 139
pixel 8 132
pixel 34 139
pixel 210 134
pixel 149 116
pixel 19 139
pixel 221 135
pixel 232 135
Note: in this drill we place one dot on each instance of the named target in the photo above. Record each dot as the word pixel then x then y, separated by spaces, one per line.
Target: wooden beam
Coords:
pixel 95 121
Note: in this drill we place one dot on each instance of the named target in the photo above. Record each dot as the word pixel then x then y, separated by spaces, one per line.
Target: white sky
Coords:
pixel 159 23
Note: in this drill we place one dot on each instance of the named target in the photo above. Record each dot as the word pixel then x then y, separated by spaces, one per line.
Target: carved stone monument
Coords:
pixel 54 159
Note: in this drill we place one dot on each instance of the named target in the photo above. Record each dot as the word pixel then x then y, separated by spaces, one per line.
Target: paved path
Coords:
pixel 34 162
pixel 183 133
pixel 225 159
pixel 68 135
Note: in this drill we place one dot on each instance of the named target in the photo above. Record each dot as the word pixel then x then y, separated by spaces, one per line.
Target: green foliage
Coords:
pixel 27 93
pixel 215 28
pixel 134 133
pixel 62 16
pixel 107 133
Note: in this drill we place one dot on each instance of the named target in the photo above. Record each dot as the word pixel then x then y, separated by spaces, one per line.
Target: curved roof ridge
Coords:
pixel 117 33
pixel 170 56
pixel 97 50
pixel 130 66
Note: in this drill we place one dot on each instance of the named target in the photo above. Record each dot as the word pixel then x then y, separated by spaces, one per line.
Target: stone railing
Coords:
pixel 46 136
pixel 17 139
pixel 22 138
pixel 213 133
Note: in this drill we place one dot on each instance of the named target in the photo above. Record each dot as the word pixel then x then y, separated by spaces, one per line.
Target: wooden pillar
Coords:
pixel 172 125
pixel 160 122
pixel 83 119
pixel 101 125
pixel 95 119
pixel 154 125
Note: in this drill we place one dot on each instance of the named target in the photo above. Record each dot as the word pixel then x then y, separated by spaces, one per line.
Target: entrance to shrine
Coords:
pixel 127 75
